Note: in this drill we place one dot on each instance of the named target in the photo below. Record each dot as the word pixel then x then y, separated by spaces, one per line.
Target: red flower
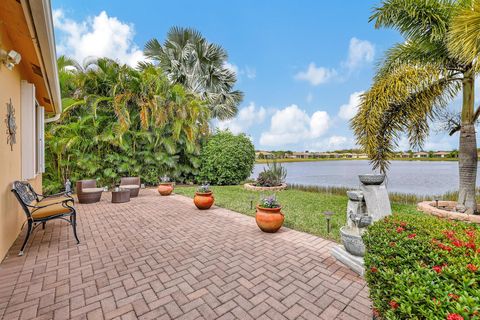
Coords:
pixel 454 316
pixel 449 233
pixel 470 245
pixel 437 269
pixel 412 235
pixel 470 233
pixel 472 267
pixel 403 224
pixel 444 247
pixel 457 243
pixel 394 304
pixel 373 269
pixel 453 296
pixel 400 229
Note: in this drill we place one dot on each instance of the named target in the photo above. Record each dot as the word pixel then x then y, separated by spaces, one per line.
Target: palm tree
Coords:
pixel 121 121
pixel 417 79
pixel 189 59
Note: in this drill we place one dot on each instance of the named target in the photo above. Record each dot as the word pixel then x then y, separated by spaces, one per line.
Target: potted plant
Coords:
pixel 165 187
pixel 203 197
pixel 269 218
pixel 272 178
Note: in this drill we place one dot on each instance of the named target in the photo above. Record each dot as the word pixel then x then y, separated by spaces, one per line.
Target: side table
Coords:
pixel 122 195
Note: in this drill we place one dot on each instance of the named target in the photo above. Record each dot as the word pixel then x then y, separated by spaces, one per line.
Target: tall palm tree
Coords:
pixel 416 80
pixel 189 59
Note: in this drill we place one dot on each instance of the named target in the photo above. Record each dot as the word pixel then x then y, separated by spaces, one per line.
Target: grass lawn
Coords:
pixel 303 210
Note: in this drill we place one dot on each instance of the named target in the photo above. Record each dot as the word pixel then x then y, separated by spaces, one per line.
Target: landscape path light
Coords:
pixel 328 216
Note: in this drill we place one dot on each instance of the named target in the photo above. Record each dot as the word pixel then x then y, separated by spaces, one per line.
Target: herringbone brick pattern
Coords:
pixel 160 258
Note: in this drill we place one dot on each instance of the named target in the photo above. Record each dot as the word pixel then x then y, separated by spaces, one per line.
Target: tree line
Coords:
pixel 150 120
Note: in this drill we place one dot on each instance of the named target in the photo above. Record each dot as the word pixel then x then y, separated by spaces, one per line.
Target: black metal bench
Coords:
pixel 40 208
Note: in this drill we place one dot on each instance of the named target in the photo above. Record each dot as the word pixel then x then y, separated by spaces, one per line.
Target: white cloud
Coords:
pixel 316 75
pixel 443 143
pixel 349 110
pixel 293 125
pixel 434 142
pixel 359 52
pixel 247 117
pixel 98 36
pixel 332 143
pixel 232 67
pixel 249 72
pixel 336 141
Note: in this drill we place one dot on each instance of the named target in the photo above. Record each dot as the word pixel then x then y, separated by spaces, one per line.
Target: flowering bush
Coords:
pixel 422 267
pixel 269 202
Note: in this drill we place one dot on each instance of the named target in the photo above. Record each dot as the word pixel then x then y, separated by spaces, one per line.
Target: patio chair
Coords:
pixel 39 208
pixel 87 191
pixel 131 183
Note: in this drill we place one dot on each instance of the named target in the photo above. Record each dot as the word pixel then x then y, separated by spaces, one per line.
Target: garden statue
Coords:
pixel 68 186
pixel 365 206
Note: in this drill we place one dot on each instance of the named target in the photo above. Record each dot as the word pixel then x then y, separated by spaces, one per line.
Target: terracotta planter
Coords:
pixel 203 200
pixel 269 219
pixel 165 188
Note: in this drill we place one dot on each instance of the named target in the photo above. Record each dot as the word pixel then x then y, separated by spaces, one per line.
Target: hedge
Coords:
pixel 227 159
pixel 422 267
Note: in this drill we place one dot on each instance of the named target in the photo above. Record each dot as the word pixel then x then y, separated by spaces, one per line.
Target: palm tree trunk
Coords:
pixel 467 153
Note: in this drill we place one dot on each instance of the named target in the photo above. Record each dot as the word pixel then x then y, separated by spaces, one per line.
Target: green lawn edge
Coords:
pixel 303 209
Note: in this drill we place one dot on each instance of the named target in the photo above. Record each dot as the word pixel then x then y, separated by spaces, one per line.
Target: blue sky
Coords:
pixel 301 66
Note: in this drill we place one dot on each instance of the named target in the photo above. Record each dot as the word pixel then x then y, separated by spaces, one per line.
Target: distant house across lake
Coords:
pixel 350 154
pixel 441 154
pixel 420 154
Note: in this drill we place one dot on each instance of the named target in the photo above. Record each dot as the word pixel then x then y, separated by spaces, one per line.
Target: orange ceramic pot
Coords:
pixel 165 189
pixel 203 200
pixel 269 219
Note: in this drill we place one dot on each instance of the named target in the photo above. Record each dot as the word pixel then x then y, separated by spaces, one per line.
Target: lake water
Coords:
pixel 419 177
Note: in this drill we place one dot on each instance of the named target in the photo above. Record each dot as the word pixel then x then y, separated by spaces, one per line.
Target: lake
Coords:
pixel 419 177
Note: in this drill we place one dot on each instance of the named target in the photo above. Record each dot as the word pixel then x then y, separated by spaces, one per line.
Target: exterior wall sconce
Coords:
pixel 10 59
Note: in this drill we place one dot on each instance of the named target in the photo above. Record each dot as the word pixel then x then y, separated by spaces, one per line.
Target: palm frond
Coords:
pixel 415 19
pixel 402 102
pixel 464 34
pixel 413 53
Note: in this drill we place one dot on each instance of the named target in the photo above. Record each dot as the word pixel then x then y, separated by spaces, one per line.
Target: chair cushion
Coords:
pixel 51 200
pixel 130 186
pixel 91 190
pixel 51 210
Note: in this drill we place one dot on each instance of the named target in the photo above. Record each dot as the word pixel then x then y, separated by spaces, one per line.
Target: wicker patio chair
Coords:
pixel 39 209
pixel 87 191
pixel 131 183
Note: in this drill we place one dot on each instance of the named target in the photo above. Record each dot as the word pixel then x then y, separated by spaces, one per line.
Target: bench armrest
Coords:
pixel 64 193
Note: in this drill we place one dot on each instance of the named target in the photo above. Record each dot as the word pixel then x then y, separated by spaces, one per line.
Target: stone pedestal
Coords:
pixel 376 198
pixel 353 262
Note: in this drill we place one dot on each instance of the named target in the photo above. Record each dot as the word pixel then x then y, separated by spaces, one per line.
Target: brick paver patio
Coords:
pixel 160 258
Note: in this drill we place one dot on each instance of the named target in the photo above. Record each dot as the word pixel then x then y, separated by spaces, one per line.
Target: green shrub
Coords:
pixel 422 267
pixel 272 176
pixel 227 159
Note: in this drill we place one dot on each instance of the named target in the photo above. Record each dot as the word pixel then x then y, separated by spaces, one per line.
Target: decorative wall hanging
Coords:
pixel 11 125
